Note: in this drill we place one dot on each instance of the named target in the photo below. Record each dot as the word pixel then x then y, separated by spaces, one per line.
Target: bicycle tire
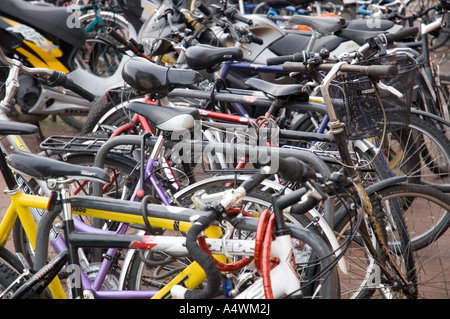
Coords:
pixel 366 278
pixel 427 217
pixel 421 142
pixel 10 268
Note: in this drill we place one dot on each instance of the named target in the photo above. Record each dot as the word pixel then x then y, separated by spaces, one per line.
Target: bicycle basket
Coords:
pixel 355 103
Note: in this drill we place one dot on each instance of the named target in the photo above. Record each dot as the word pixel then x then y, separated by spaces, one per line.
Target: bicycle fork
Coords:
pixel 337 129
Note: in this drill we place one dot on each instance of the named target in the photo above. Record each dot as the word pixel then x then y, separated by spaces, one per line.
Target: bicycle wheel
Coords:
pixel 10 269
pixel 427 215
pixel 99 59
pixel 372 275
pixel 108 112
pixel 421 152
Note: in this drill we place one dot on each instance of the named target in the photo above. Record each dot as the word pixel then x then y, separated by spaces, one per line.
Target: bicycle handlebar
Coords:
pixel 55 78
pixel 381 71
pixel 402 34
pixel 232 13
pixel 60 79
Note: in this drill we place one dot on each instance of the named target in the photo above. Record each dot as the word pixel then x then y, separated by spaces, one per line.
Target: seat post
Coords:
pixel 68 226
pixel 8 175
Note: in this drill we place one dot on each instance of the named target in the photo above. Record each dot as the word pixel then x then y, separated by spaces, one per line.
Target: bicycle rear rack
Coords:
pixel 69 144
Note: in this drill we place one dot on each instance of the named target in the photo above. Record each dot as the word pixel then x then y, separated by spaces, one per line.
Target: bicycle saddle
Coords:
pixel 166 118
pixel 50 19
pixel 321 25
pixel 358 36
pixel 149 77
pixel 204 56
pixel 365 25
pixel 15 128
pixel 43 168
pixel 277 90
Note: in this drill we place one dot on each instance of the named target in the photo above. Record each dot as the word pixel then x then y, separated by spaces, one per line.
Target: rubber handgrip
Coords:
pixel 388 71
pixel 239 17
pixel 70 85
pixel 60 79
pixel 402 34
pixel 304 207
pixel 203 8
pixel 116 36
pixel 257 40
pixel 294 170
pixel 297 57
pixel 294 67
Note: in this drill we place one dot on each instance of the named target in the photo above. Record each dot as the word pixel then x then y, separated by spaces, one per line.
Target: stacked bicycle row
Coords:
pixel 317 174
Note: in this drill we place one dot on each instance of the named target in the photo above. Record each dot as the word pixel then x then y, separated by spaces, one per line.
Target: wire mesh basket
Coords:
pixel 355 100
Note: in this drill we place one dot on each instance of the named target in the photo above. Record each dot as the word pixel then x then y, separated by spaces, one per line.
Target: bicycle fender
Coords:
pixel 386 182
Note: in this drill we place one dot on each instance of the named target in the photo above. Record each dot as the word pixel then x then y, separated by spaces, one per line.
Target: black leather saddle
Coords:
pixel 276 90
pixel 203 56
pixel 360 37
pixel 41 167
pixel 321 25
pixel 149 77
pixel 166 118
pixel 51 20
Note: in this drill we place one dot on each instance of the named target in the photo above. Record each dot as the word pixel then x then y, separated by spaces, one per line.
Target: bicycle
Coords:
pixel 95 206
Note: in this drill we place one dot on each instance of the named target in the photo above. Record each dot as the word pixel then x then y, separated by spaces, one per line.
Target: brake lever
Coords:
pixel 390 89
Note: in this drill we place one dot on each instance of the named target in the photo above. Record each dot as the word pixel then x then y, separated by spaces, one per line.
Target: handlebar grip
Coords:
pixel 203 8
pixel 116 36
pixel 402 34
pixel 257 40
pixel 239 17
pixel 70 85
pixel 297 57
pixel 371 70
pixel 388 71
pixel 381 71
pixel 61 79
pixel 294 170
pixel 294 67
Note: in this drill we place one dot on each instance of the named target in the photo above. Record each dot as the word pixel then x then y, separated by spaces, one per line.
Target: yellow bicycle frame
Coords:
pixel 191 277
pixel 19 208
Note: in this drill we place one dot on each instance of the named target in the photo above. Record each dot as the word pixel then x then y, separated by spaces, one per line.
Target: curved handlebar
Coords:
pixel 388 71
pixel 55 78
